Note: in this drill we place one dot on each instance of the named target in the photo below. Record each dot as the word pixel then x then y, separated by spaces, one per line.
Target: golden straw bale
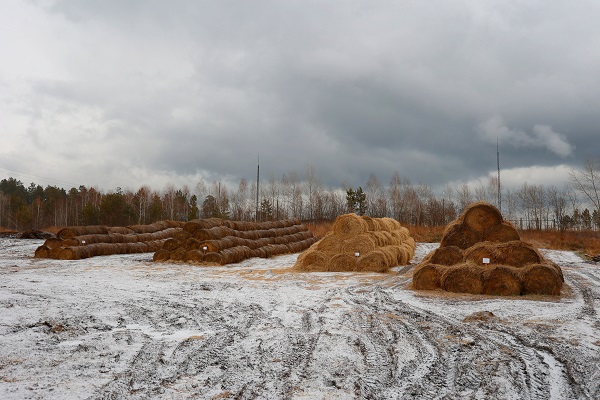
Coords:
pixel 463 278
pixel 372 226
pixel 481 216
pixel 73 253
pixel 161 255
pixel 358 244
pixel 392 223
pixel 395 255
pixel 42 252
pixel 459 235
pixel 428 277
pixel 503 232
pixel 500 280
pixel 342 262
pixel 387 224
pixel 404 232
pixel 475 254
pixel 349 224
pixel 194 256
pixel 540 279
pixel 448 255
pixel 53 243
pixel 330 243
pixel 407 254
pixel 312 260
pixel 517 253
pixel 556 268
pixel 373 261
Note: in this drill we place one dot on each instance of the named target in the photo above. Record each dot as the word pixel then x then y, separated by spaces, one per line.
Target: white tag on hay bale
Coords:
pixel 486 260
pixel 357 254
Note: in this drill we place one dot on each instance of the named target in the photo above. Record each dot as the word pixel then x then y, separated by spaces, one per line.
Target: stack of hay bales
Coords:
pixel 78 242
pixel 359 244
pixel 480 253
pixel 216 241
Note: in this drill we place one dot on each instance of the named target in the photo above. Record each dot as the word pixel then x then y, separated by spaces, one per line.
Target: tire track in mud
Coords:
pixel 465 360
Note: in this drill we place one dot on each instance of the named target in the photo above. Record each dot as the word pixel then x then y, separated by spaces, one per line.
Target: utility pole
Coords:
pixel 499 188
pixel 257 186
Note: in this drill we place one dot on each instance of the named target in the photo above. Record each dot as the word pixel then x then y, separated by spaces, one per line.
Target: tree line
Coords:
pixel 302 196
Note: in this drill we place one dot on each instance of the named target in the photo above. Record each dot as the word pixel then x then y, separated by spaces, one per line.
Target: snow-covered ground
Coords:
pixel 125 327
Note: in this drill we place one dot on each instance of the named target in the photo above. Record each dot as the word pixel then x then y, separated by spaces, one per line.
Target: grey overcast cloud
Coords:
pixel 130 93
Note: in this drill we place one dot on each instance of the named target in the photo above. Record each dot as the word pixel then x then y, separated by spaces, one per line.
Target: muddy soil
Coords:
pixel 124 327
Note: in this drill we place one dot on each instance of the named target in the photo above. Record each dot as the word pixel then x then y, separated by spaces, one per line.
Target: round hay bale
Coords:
pixel 540 279
pixel 358 244
pixel 171 244
pixel 42 252
pixel 475 254
pixel 330 243
pixel 139 247
pixel 556 268
pixel 312 260
pixel 372 226
pixel 373 261
pixel 395 255
pixel 517 254
pixel 191 226
pixel 428 277
pixel 449 255
pixel 459 235
pixel 71 231
pixel 349 224
pixel 342 262
pixel 214 258
pixel 161 255
pixel 500 280
pixel 481 216
pixel 55 252
pixel 123 230
pixel 182 236
pixel 387 224
pixel 178 254
pixel 154 245
pixel 53 243
pixel 407 254
pixel 463 278
pixel 501 233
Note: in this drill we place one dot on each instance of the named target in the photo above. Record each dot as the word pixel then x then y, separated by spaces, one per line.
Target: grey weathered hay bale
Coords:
pixel 540 279
pixel 349 224
pixel 72 231
pixel 194 256
pixel 503 232
pixel 123 230
pixel 500 280
pixel 161 255
pixel 139 247
pixel 463 278
pixel 374 261
pixel 53 243
pixel 481 216
pixel 428 276
pixel 459 235
pixel 448 255
pixel 42 252
pixel 517 253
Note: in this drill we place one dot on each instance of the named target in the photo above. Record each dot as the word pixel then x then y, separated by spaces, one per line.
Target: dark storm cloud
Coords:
pixel 161 90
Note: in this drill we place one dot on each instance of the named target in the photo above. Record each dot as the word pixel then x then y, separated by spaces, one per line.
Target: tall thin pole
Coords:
pixel 499 189
pixel 257 186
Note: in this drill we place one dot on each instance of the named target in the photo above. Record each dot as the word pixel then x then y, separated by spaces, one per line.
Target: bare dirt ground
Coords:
pixel 124 327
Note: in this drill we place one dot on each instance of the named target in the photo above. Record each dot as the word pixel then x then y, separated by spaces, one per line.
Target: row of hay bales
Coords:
pixel 359 243
pixel 481 253
pixel 216 241
pixel 79 242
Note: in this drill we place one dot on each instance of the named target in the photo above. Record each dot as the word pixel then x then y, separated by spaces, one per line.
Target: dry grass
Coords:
pixel 583 242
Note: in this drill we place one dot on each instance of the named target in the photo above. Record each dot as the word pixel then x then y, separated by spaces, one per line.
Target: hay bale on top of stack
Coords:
pixel 481 253
pixel 359 244
pixel 219 242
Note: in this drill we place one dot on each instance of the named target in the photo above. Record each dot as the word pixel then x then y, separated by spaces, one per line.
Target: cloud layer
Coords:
pixel 153 92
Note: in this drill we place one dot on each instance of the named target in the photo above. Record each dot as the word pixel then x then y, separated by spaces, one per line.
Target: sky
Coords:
pixel 130 93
